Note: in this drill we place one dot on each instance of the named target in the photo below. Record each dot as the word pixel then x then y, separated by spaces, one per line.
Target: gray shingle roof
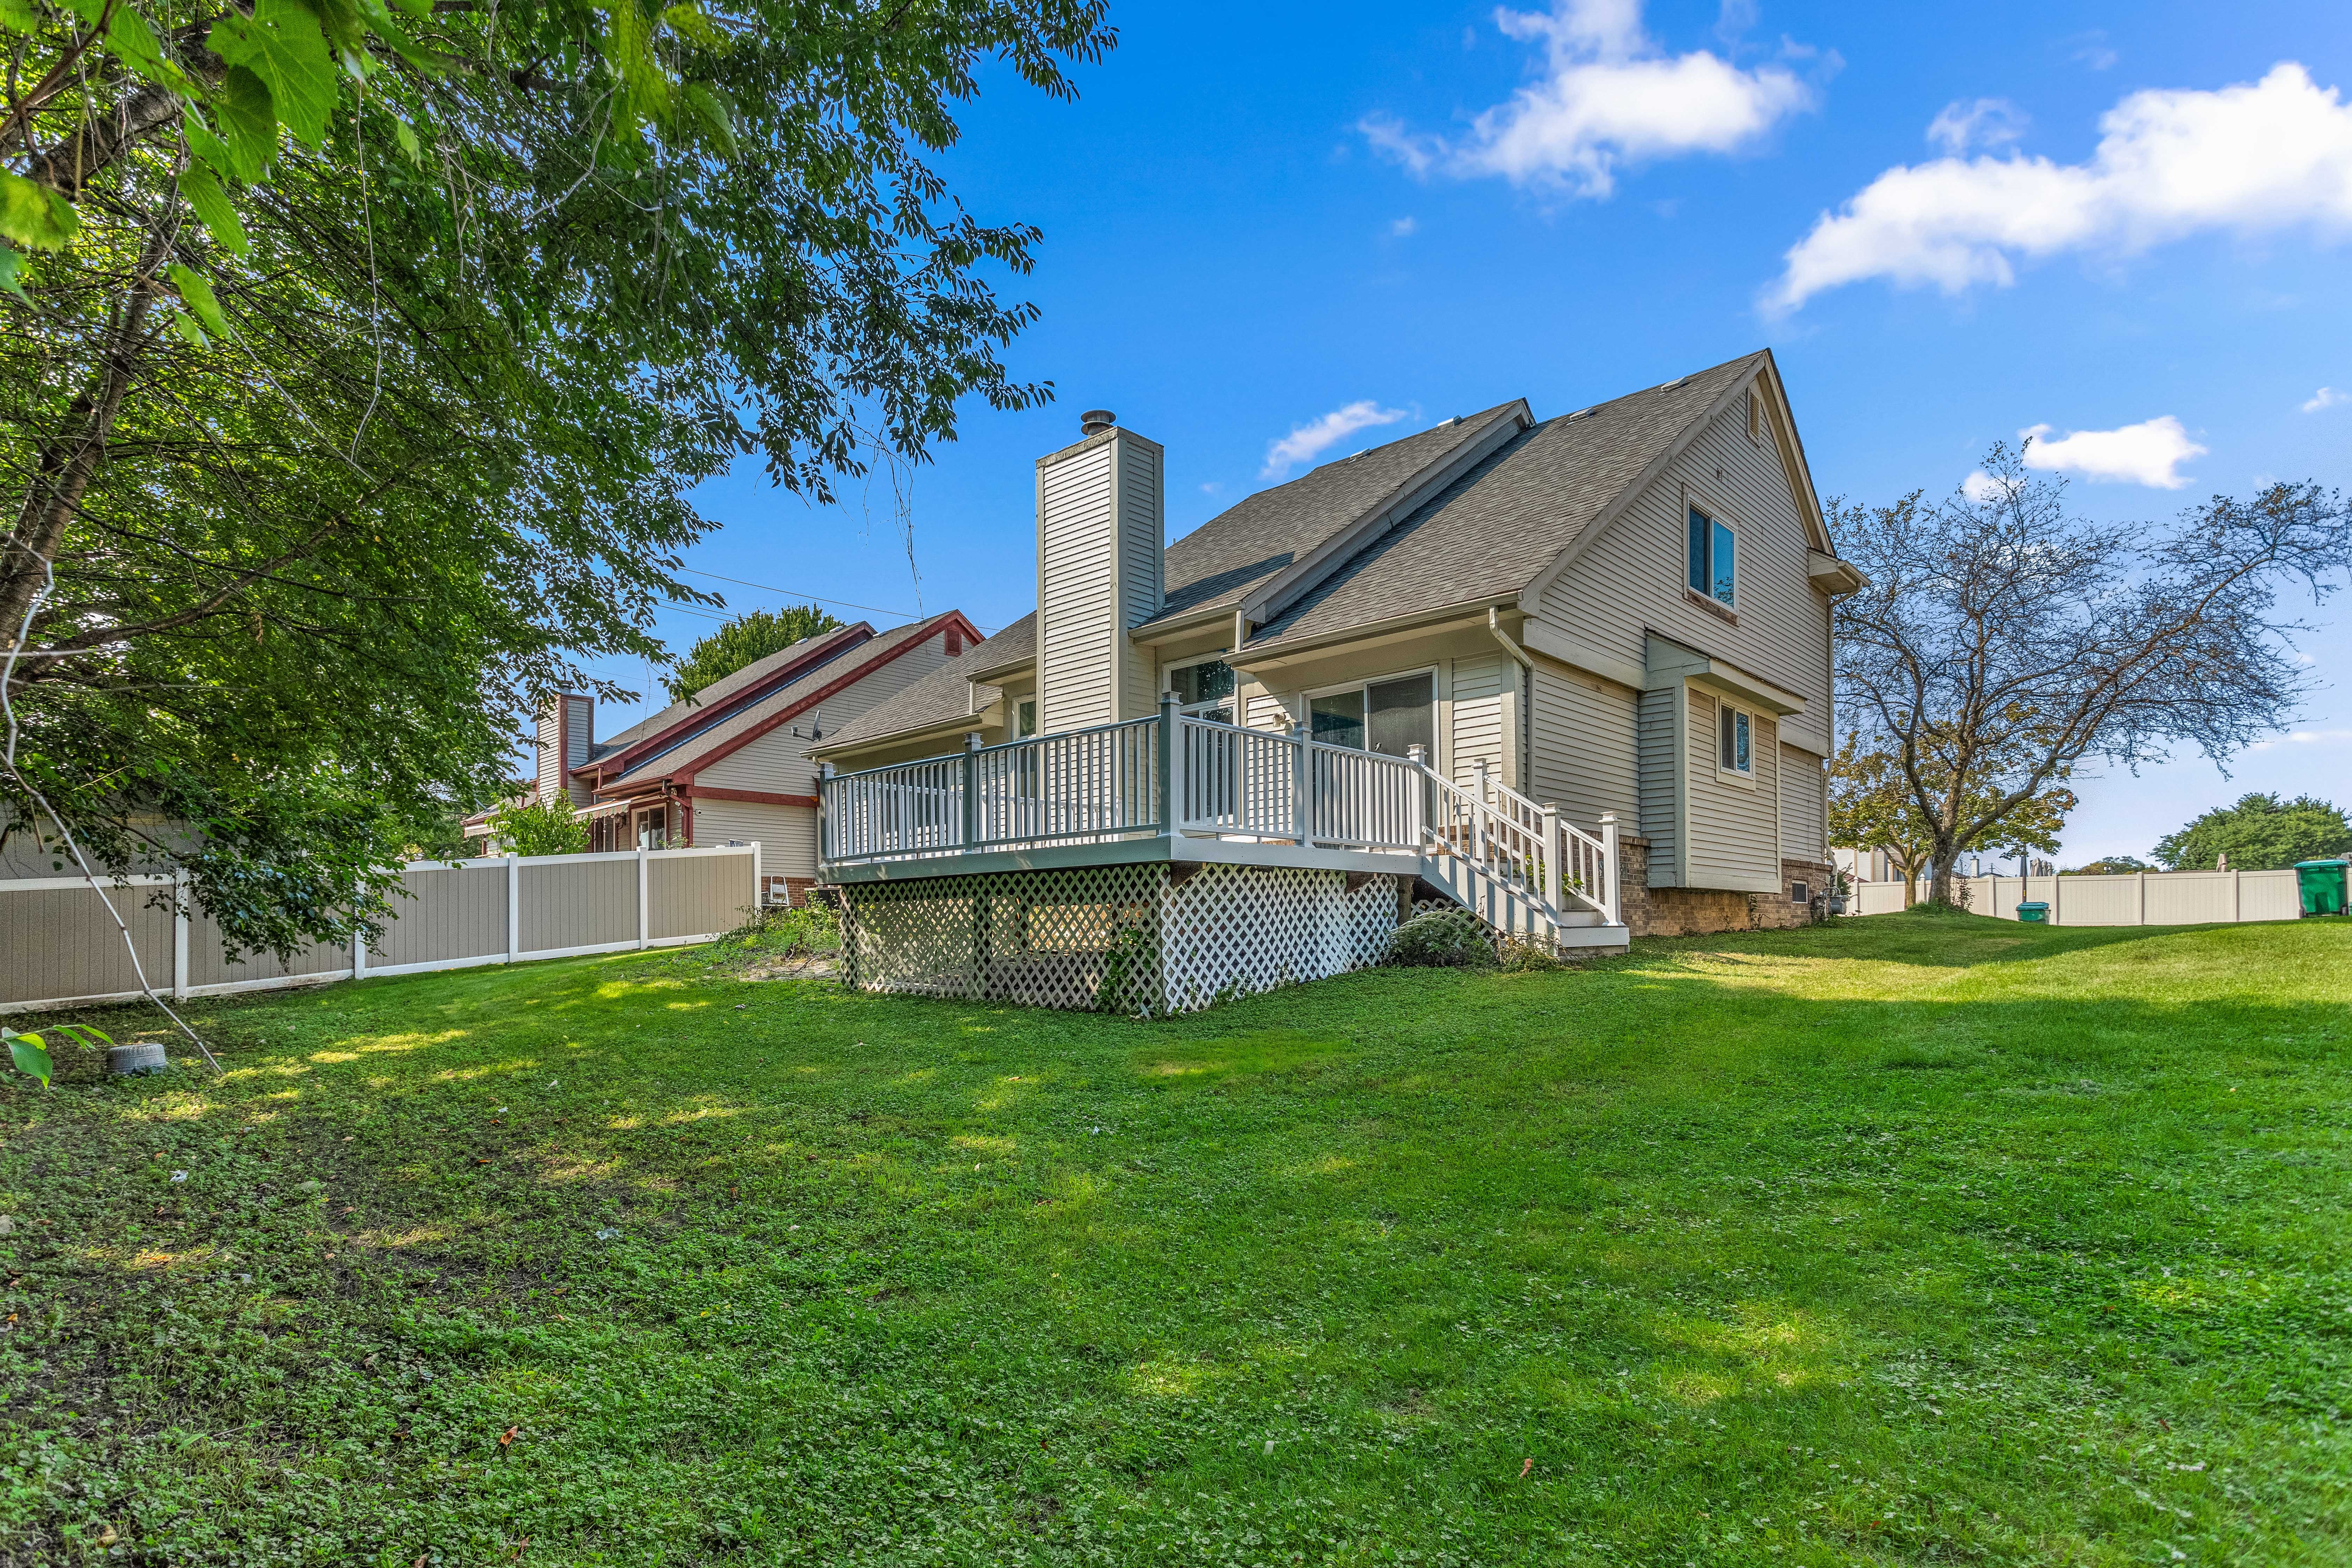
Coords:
pixel 714 697
pixel 1486 536
pixel 1221 560
pixel 685 753
pixel 1490 533
pixel 945 693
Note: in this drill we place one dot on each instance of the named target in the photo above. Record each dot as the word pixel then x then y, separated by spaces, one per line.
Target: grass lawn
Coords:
pixel 1915 1239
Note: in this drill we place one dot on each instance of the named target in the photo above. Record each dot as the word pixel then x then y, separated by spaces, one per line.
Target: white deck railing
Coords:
pixel 1190 777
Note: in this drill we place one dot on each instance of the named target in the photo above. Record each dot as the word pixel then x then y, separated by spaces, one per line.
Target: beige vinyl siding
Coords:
pixel 1582 748
pixel 753 822
pixel 1804 805
pixel 1266 711
pixel 1478 725
pixel 1631 576
pixel 579 737
pixel 1139 528
pixel 1077 608
pixel 1734 829
pixel 778 762
pixel 1660 744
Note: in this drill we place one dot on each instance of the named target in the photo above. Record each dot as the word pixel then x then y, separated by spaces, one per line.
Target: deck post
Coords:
pixel 824 813
pixel 1419 757
pixel 1301 773
pixel 970 790
pixel 1551 842
pixel 1609 893
pixel 1163 766
pixel 1478 820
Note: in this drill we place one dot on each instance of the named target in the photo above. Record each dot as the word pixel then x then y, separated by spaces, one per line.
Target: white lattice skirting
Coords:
pixel 1147 939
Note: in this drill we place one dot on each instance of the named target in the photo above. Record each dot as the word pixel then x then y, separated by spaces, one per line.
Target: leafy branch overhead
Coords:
pixel 360 355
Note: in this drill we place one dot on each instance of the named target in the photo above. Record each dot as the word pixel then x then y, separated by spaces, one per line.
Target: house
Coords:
pixel 730 764
pixel 1571 672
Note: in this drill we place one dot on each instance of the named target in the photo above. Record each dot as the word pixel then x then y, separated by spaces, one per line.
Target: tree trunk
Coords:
pixel 69 463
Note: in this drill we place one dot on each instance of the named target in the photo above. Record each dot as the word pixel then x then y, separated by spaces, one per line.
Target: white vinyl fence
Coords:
pixel 2133 899
pixel 58 946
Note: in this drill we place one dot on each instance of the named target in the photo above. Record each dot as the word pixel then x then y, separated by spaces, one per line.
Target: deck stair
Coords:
pixel 1522 869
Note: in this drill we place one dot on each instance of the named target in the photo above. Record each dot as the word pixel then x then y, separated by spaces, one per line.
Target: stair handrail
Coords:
pixel 1529 847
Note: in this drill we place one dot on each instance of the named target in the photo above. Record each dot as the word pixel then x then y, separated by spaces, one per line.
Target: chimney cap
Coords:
pixel 1094 421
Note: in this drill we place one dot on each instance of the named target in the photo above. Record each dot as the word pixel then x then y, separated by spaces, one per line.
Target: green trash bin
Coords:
pixel 2036 913
pixel 2322 885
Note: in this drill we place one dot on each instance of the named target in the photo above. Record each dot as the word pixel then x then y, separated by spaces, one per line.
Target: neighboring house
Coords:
pixel 730 764
pixel 1620 613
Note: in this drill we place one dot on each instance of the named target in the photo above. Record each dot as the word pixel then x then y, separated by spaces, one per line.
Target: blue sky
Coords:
pixel 1287 232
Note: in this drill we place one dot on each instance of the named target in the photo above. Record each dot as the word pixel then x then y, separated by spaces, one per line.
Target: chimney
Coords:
pixel 1100 522
pixel 567 727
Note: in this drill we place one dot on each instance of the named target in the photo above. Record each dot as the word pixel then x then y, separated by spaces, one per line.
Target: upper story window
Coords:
pixel 1204 690
pixel 1713 556
pixel 1735 739
pixel 1390 716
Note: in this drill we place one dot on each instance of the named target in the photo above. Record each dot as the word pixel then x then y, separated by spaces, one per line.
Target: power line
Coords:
pixel 794 594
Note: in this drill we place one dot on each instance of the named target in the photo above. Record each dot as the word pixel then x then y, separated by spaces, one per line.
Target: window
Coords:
pixel 1713 551
pixel 1204 690
pixel 1390 716
pixel 1736 729
pixel 1025 719
pixel 1800 893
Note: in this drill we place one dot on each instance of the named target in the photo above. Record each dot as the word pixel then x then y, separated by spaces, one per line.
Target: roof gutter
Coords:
pixel 1494 624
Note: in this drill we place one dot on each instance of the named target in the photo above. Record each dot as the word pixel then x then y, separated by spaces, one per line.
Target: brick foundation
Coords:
pixel 1702 911
pixel 792 891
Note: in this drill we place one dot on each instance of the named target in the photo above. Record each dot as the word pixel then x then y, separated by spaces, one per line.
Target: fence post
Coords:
pixel 2139 898
pixel 180 936
pixel 1551 855
pixel 1163 766
pixel 1611 894
pixel 2237 897
pixel 970 789
pixel 644 900
pixel 759 882
pixel 2057 883
pixel 514 907
pixel 1301 773
pixel 359 956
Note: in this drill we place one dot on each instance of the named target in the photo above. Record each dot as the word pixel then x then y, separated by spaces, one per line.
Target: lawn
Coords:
pixel 1914 1239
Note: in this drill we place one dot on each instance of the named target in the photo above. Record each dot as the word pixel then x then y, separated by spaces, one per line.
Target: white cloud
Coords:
pixel 1606 95
pixel 2325 397
pixel 2248 159
pixel 1987 122
pixel 2305 738
pixel 1980 487
pixel 1310 440
pixel 2149 453
pixel 1405 227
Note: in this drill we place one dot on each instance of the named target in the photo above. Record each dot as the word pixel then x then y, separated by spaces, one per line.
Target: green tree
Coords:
pixel 357 357
pixel 540 827
pixel 1873 805
pixel 2259 833
pixel 745 640
pixel 2000 641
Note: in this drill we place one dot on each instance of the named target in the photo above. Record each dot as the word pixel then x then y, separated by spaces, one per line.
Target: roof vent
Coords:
pixel 1094 421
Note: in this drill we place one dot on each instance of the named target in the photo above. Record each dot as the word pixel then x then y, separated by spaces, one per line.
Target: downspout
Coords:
pixel 1526 701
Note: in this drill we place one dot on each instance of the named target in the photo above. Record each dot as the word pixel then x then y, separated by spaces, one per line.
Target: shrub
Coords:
pixel 1442 938
pixel 540 828
pixel 1522 957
